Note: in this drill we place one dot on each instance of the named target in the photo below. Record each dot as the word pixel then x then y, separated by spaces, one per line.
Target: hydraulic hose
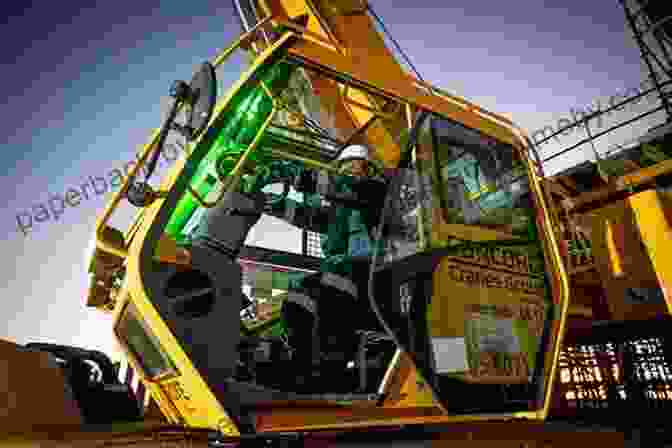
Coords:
pixel 394 184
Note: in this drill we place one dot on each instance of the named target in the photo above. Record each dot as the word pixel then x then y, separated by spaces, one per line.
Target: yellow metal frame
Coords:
pixel 639 178
pixel 149 147
pixel 403 92
pixel 204 397
pixel 653 214
pixel 232 181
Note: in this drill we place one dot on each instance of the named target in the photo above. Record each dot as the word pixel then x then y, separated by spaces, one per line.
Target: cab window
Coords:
pixel 136 335
pixel 479 181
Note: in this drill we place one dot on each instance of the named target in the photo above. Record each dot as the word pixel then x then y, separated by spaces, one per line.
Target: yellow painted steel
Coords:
pixel 307 424
pixel 653 212
pixel 621 260
pixel 305 160
pixel 209 412
pixel 404 90
pixel 290 9
pixel 614 256
pixel 556 267
pixel 148 148
pixel 390 84
pixel 368 45
pixel 361 110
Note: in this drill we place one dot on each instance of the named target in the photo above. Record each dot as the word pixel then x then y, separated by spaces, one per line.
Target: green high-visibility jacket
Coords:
pixel 350 231
pixel 349 235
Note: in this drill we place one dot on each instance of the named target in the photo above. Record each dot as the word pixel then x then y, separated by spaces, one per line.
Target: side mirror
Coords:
pixel 200 98
pixel 141 194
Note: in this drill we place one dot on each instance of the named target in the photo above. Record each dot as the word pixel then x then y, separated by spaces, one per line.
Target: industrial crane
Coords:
pixel 468 290
pixel 465 224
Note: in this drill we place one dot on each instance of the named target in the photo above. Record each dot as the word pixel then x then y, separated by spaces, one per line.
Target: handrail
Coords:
pixel 237 171
pixel 219 59
pixel 314 163
pixel 118 196
pixel 309 35
pixel 101 243
pixel 231 182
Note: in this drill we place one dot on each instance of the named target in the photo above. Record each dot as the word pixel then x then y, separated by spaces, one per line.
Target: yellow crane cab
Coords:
pixel 465 290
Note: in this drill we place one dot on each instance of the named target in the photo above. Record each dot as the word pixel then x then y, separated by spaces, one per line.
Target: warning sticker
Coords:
pixel 450 355
pixel 500 314
pixel 500 340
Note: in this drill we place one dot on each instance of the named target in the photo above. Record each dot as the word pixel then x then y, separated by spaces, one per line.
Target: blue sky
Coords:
pixel 83 86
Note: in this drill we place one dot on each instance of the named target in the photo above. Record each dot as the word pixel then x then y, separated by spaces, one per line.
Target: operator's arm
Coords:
pixel 273 172
pixel 276 172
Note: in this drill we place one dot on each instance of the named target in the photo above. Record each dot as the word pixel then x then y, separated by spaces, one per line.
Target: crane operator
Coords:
pixel 323 311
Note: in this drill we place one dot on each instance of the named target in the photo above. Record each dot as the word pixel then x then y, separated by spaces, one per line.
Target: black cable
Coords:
pixel 404 161
pixel 163 134
pixel 310 123
pixel 394 184
pixel 316 127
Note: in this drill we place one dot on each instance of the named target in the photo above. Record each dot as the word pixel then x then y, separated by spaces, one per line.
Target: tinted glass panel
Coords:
pixel 141 342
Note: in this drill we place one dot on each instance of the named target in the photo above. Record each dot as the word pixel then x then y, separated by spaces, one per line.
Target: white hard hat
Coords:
pixel 354 152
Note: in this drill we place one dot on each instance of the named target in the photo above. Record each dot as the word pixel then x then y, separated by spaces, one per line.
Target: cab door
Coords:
pixel 483 313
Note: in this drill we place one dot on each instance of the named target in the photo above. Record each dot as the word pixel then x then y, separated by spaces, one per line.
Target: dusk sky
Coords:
pixel 84 86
